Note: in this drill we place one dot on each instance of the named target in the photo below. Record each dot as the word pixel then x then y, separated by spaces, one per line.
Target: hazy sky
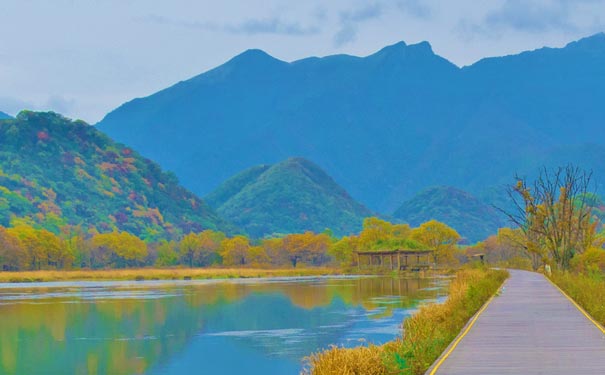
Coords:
pixel 83 58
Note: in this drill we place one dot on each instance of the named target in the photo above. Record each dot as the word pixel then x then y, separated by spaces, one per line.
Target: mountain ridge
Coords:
pixel 366 119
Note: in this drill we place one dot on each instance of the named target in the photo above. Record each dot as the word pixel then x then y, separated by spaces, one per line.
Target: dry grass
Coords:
pixel 364 360
pixel 426 334
pixel 162 274
pixel 587 290
pixel 430 331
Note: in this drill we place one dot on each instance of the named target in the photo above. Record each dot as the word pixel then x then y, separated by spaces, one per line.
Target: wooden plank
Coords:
pixel 531 328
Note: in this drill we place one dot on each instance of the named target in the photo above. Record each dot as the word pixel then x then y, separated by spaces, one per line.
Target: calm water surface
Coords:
pixel 204 327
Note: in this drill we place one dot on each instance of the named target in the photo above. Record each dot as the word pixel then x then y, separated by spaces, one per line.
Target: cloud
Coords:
pixel 415 8
pixel 60 104
pixel 532 16
pixel 350 20
pixel 55 103
pixel 571 17
pixel 12 106
pixel 538 16
pixel 271 26
pixel 252 26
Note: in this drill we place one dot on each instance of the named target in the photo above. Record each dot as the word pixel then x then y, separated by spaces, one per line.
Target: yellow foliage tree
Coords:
pixel 121 249
pixel 12 257
pixel 235 251
pixel 438 237
pixel 201 249
pixel 308 246
pixel 257 256
pixel 42 249
pixel 376 232
pixel 274 248
pixel 343 249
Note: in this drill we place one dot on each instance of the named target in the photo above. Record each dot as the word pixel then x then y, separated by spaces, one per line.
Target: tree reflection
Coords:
pixel 129 330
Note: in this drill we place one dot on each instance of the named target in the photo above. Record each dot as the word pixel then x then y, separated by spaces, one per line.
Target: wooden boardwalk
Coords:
pixel 531 328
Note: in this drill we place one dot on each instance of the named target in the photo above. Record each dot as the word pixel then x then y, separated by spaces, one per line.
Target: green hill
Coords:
pixel 472 218
pixel 292 196
pixel 4 116
pixel 54 171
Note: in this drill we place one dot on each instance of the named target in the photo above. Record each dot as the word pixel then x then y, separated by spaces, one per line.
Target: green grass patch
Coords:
pixel 588 290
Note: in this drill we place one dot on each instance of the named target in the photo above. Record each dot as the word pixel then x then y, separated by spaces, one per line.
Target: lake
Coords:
pixel 251 326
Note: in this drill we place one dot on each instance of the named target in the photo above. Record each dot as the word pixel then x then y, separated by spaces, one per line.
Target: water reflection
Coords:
pixel 251 326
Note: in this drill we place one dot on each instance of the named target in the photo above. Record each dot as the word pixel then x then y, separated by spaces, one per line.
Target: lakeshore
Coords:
pixel 163 274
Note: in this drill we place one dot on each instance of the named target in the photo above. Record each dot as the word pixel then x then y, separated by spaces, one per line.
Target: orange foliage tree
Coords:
pixel 307 247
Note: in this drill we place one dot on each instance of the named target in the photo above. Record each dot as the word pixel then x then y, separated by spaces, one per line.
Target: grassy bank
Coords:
pixel 587 290
pixel 426 334
pixel 162 274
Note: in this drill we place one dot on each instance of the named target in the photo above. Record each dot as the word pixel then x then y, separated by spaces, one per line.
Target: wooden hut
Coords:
pixel 403 260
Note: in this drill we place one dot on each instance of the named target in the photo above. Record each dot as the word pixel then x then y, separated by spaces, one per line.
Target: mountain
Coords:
pixel 4 116
pixel 472 218
pixel 291 196
pixel 386 125
pixel 55 171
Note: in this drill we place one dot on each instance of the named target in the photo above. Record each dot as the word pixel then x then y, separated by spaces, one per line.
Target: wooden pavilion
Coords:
pixel 403 260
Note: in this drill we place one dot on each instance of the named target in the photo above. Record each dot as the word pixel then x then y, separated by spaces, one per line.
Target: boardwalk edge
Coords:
pixel 577 306
pixel 446 353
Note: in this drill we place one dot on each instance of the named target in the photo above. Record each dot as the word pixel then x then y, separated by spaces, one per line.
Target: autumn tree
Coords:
pixel 166 254
pixel 188 248
pixel 257 256
pixel 235 251
pixel 12 257
pixel 343 249
pixel 274 248
pixel 438 237
pixel 508 248
pixel 210 245
pixel 119 249
pixel 308 247
pixel 201 249
pixel 553 213
pixel 42 249
pixel 76 245
pixel 375 233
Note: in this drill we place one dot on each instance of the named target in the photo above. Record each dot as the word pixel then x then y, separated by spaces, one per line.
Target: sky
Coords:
pixel 84 58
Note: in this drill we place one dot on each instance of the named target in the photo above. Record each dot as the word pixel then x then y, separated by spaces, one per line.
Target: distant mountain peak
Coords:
pixel 402 50
pixel 5 116
pixel 411 56
pixel 423 46
pixel 294 195
pixel 255 56
pixel 594 41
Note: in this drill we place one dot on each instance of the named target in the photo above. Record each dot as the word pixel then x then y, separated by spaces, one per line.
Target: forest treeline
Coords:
pixel 27 247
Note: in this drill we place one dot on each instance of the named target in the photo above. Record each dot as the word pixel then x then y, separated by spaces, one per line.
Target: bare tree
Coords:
pixel 553 214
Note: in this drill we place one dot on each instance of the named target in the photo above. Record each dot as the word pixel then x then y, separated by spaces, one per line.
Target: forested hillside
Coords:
pixel 473 219
pixel 289 197
pixel 56 172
